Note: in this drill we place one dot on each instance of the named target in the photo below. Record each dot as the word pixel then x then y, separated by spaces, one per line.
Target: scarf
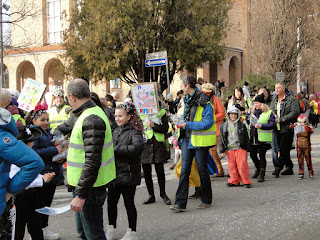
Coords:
pixel 190 101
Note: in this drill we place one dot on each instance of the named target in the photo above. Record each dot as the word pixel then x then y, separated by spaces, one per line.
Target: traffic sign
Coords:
pixel 155 62
pixel 156 59
pixel 280 76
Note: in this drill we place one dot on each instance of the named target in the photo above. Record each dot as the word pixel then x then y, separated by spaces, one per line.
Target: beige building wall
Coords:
pixel 44 61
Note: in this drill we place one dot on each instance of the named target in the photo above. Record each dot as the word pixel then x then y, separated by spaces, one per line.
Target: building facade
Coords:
pixel 40 54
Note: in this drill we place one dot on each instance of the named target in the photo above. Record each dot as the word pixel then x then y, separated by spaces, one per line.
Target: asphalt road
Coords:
pixel 283 208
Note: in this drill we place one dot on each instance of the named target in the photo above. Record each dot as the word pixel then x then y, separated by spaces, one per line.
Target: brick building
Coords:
pixel 41 58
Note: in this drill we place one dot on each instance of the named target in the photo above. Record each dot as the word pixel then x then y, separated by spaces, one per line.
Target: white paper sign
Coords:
pixel 145 98
pixel 31 94
pixel 53 211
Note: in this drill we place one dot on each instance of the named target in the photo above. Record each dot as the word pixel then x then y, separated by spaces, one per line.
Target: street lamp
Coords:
pixel 6 7
pixel 298 49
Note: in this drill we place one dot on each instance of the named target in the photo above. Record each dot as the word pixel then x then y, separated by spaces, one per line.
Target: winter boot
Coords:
pixel 151 198
pixel 196 194
pixel 287 171
pixel 256 174
pixel 277 172
pixel 110 232
pixel 262 174
pixel 130 235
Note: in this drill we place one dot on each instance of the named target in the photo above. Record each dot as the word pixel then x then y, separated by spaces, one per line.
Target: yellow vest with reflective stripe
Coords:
pixel 149 131
pixel 264 135
pixel 17 117
pixel 204 138
pixel 57 118
pixel 76 153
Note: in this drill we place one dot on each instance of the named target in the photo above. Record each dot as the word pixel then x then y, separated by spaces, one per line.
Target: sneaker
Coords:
pixel 172 166
pixel 247 185
pixel 110 232
pixel 177 208
pixel 204 205
pixel 48 235
pixel 311 176
pixel 300 177
pixel 130 235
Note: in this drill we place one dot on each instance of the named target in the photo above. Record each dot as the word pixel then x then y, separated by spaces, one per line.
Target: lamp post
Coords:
pixel 298 49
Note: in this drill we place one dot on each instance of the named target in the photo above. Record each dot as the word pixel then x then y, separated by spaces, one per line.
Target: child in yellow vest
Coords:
pixel 260 134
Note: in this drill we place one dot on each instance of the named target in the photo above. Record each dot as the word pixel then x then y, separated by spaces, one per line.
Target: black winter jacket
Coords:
pixel 154 151
pixel 46 150
pixel 242 134
pixel 128 145
pixel 93 133
pixel 290 110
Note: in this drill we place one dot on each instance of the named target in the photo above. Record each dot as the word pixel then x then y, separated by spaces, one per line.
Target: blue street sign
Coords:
pixel 155 62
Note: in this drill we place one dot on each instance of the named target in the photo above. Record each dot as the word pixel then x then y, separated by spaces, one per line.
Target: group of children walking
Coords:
pixel 254 134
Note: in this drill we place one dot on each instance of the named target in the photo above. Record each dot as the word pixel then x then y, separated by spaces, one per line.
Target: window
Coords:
pixel 54 21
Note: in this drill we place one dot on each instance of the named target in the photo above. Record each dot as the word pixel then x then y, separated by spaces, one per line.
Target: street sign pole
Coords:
pixel 158 59
pixel 167 69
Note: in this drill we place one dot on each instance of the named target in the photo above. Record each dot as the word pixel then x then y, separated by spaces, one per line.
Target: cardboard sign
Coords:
pixel 145 98
pixel 31 94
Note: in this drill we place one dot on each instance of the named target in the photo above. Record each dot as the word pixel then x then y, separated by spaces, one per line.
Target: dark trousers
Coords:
pixel 89 221
pixel 128 193
pixel 285 143
pixel 201 156
pixel 26 203
pixel 47 193
pixel 275 149
pixel 261 149
pixel 147 169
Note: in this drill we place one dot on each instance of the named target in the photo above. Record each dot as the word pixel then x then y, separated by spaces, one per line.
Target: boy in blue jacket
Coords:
pixel 15 152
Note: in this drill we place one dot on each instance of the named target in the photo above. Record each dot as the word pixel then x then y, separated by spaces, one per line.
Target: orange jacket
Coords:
pixel 218 112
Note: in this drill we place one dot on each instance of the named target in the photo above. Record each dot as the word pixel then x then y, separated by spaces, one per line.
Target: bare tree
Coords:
pixel 274 44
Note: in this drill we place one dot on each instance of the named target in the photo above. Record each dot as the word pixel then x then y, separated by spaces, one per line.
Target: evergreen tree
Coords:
pixel 109 38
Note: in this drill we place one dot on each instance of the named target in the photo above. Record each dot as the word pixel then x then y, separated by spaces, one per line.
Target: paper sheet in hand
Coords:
pixel 254 120
pixel 53 211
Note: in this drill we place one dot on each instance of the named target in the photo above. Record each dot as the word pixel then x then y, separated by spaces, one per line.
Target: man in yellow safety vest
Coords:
pixel 90 161
pixel 198 137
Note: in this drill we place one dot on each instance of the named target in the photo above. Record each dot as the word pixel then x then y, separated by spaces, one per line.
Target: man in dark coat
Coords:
pixel 286 109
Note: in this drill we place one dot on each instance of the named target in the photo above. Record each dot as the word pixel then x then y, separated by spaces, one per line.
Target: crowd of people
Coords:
pixel 109 144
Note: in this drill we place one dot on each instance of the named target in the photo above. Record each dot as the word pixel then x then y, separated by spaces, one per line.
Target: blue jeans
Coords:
pixel 201 156
pixel 89 221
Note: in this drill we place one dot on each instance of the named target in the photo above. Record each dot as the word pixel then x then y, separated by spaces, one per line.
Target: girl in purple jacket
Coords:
pixel 260 135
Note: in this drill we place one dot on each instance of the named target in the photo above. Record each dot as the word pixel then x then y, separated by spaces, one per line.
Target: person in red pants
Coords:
pixel 233 142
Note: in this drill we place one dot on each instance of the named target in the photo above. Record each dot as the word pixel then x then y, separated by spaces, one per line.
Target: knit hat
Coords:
pixel 207 87
pixel 259 98
pixel 233 109
pixel 28 134
pixel 58 92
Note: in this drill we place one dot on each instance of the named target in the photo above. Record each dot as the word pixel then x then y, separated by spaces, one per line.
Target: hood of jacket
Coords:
pixel 7 122
pixel 13 109
pixel 233 109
